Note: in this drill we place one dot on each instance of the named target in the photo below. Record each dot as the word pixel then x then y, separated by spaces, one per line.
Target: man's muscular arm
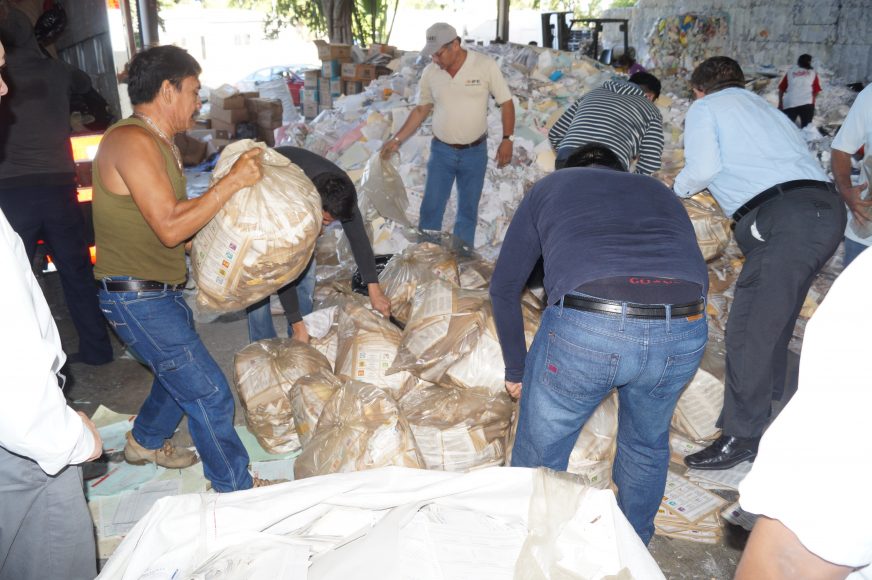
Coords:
pixel 133 165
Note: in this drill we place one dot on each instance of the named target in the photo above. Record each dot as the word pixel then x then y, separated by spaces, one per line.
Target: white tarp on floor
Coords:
pixel 385 524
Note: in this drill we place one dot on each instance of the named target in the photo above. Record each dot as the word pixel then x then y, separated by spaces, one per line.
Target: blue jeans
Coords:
pixel 260 322
pixel 159 328
pixel 446 164
pixel 852 250
pixel 576 359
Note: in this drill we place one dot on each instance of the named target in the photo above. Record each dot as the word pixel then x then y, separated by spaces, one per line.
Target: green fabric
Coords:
pixel 126 245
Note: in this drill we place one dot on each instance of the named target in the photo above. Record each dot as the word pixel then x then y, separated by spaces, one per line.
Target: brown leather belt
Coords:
pixel 478 141
pixel 603 306
pixel 138 286
pixel 775 191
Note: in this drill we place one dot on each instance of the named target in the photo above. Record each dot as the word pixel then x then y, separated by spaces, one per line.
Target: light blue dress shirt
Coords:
pixel 737 145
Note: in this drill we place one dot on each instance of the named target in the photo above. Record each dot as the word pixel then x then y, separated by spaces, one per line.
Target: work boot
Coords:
pixel 167 456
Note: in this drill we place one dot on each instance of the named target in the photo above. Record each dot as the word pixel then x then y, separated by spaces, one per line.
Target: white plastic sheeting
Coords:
pixel 367 526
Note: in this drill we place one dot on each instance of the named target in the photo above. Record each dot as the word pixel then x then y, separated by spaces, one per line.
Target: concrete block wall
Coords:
pixel 773 32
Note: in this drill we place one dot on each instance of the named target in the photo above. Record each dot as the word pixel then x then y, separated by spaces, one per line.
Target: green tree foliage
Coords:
pixel 346 21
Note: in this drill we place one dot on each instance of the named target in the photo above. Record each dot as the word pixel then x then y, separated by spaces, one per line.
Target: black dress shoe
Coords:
pixel 726 452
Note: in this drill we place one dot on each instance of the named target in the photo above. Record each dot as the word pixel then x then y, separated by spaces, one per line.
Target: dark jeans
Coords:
pixel 577 358
pixel 800 230
pixel 158 327
pixel 805 114
pixel 53 214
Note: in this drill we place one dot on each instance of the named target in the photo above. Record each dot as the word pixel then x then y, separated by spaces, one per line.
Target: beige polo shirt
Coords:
pixel 460 103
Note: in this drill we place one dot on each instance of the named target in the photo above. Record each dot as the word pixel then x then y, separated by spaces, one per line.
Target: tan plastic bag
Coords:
pixel 451 338
pixel 699 407
pixel 416 265
pixel 360 428
pixel 367 346
pixel 381 187
pixel 594 451
pixel 458 429
pixel 308 396
pixel 261 239
pixel 712 227
pixel 265 371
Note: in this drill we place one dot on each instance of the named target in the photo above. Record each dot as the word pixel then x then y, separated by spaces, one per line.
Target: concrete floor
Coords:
pixel 124 384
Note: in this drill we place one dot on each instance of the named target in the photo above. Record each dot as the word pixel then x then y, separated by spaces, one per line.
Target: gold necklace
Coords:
pixel 153 126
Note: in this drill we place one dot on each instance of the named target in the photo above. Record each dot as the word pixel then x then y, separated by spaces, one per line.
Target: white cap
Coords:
pixel 438 36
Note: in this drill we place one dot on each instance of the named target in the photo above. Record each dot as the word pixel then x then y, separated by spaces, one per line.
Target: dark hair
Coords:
pixel 595 154
pixel 338 196
pixel 717 73
pixel 647 82
pixel 804 61
pixel 150 68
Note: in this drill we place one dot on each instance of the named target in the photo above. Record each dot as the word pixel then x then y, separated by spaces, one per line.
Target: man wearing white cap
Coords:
pixel 456 87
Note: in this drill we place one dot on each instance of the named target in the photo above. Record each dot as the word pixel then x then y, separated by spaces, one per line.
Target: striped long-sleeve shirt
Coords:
pixel 618 115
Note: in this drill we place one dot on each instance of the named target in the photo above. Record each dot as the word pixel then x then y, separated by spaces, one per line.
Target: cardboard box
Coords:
pixel 357 72
pixel 309 96
pixel 353 87
pixel 267 119
pixel 332 51
pixel 250 94
pixel 310 110
pixel 266 135
pixel 223 130
pixel 220 143
pixel 311 78
pixel 332 69
pixel 376 48
pixel 258 105
pixel 192 150
pixel 325 100
pixel 229 115
pixel 336 87
pixel 235 101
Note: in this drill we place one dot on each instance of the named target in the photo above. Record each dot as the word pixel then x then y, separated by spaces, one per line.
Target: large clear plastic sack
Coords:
pixel 407 271
pixel 699 407
pixel 264 373
pixel 712 227
pixel 594 451
pixel 261 239
pixel 367 346
pixel 308 396
pixel 360 428
pixel 382 191
pixel 451 339
pixel 458 429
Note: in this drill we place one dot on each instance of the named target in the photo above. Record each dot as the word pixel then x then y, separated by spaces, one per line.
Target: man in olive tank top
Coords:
pixel 142 220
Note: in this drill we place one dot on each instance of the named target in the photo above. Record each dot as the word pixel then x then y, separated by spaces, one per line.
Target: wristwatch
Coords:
pixel 509 138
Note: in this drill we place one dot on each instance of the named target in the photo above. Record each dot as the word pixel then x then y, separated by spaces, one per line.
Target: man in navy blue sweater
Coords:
pixel 625 281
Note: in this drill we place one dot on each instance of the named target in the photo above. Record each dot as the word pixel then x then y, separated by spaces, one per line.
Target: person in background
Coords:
pixel 38 176
pixel 855 135
pixel 142 219
pixel 625 281
pixel 45 525
pixel 798 90
pixel 788 222
pixel 339 202
pixel 619 114
pixel 806 528
pixel 456 87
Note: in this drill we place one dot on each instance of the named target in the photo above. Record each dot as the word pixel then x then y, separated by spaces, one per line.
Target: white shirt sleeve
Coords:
pixel 701 151
pixel 852 134
pixel 499 88
pixel 425 91
pixel 35 420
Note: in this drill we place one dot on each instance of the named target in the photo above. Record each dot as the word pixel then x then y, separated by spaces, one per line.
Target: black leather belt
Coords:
pixel 138 286
pixel 478 141
pixel 601 305
pixel 775 191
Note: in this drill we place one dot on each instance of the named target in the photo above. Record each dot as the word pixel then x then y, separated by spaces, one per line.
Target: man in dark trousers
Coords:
pixel 338 202
pixel 38 176
pixel 625 281
pixel 788 222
